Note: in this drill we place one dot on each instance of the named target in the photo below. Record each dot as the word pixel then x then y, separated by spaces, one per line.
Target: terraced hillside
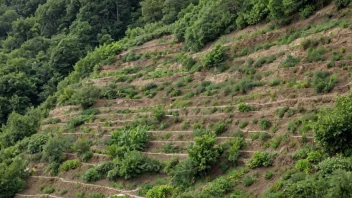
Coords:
pixel 242 108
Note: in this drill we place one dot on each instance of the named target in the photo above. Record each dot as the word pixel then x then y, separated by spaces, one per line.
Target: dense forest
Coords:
pixel 48 46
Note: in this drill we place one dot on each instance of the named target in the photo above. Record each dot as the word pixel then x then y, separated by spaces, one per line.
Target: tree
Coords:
pixel 152 10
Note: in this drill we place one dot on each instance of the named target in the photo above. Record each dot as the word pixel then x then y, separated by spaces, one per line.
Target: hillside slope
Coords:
pixel 258 90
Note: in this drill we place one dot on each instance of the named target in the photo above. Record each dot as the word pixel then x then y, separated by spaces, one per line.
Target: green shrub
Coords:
pixel 309 43
pixel 342 3
pixel 323 82
pixel 243 124
pixel 214 58
pixel 149 90
pixel 217 188
pixel 264 124
pixel 81 146
pixel 260 159
pixel 290 61
pixel 242 107
pixel 160 192
pixel 301 153
pixel 134 164
pixel 77 121
pixel 159 113
pixel 303 165
pixel 90 112
pixel 69 164
pixel 307 11
pixel 274 82
pixel 264 60
pixel 91 175
pixel 86 96
pixel 281 111
pixel 219 127
pixel 203 152
pixel 36 143
pixel 248 181
pixel 233 151
pixel 170 148
pixel 315 55
pixel 329 165
pixel 48 190
pixel 132 138
pixel 268 175
pixel 184 173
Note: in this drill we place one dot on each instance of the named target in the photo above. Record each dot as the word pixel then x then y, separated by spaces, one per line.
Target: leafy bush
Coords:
pixel 77 121
pixel 91 175
pixel 268 175
pixel 48 189
pixel 219 127
pixel 248 181
pixel 149 90
pixel 159 113
pixel 264 60
pixel 86 96
pixel 215 57
pixel 132 138
pixel 260 159
pixel 184 173
pixel 264 124
pixel 323 82
pixel 203 152
pixel 290 61
pixel 303 165
pixel 332 129
pixel 36 143
pixel 217 188
pixel 159 192
pixel 342 3
pixel 243 124
pixel 233 151
pixel 69 164
pixel 315 55
pixel 329 165
pixel 133 164
pixel 309 43
pixel 242 107
pixel 81 146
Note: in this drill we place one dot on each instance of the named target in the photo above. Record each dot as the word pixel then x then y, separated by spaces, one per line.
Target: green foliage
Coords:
pixel 264 124
pixel 18 127
pixel 204 23
pixel 324 82
pixel 242 107
pixel 69 164
pixel 91 175
pixel 248 181
pixel 131 138
pixel 290 61
pixel 204 153
pixel 163 191
pixel 264 60
pixel 86 96
pixel 132 164
pixel 329 165
pixel 315 55
pixel 184 173
pixel 342 3
pixel 332 129
pixel 214 58
pixel 11 176
pixel 48 190
pixel 303 165
pixel 268 175
pixel 159 113
pixel 233 151
pixel 219 127
pixel 261 159
pixel 36 143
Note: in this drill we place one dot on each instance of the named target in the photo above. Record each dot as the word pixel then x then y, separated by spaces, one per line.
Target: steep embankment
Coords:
pixel 266 91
